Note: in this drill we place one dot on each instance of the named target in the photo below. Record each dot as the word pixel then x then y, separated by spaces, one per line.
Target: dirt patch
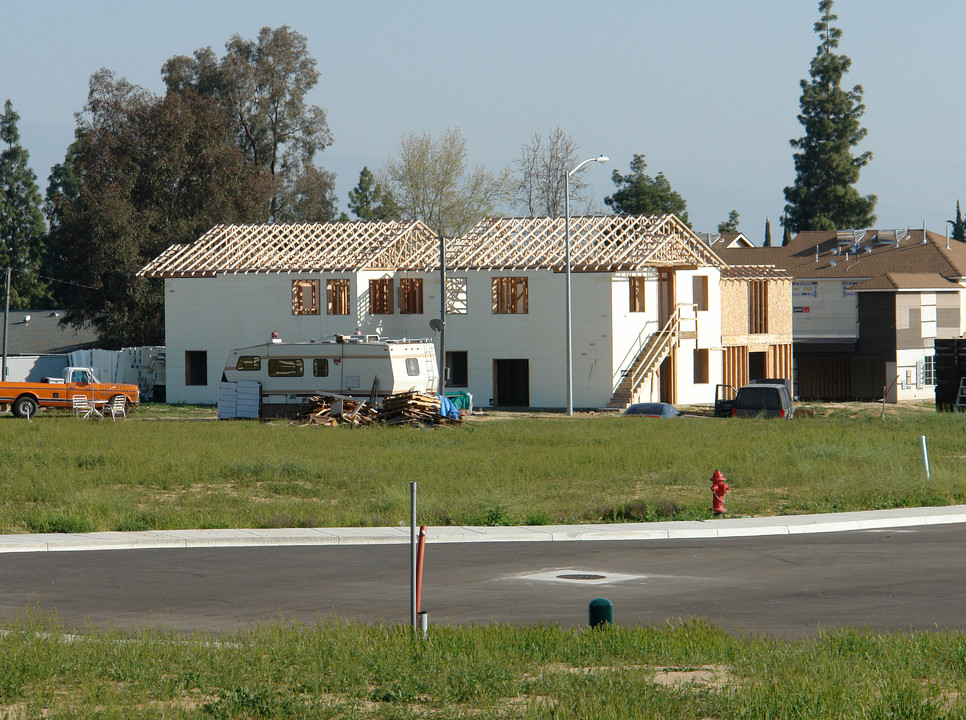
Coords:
pixel 705 676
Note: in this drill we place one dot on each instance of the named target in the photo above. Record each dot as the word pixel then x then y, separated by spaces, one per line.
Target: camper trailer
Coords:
pixel 359 366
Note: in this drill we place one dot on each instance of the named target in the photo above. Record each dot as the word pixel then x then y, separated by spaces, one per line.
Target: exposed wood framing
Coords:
pixel 604 243
pixel 297 248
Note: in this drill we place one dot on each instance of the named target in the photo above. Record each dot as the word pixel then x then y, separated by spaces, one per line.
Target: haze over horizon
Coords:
pixel 708 91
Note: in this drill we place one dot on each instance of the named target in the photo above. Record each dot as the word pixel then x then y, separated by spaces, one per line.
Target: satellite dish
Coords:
pixel 436 324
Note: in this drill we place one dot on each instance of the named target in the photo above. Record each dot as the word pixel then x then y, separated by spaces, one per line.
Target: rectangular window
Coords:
pixel 305 297
pixel 510 296
pixel 457 367
pixel 412 367
pixel 337 296
pixel 636 285
pixel 758 307
pixel 320 367
pixel 380 297
pixel 249 362
pixel 195 367
pixel 285 367
pixel 929 370
pixel 411 296
pixel 701 370
pixel 700 292
pixel 456 296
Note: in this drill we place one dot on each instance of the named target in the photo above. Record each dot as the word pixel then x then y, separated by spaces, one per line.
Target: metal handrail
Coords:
pixel 670 332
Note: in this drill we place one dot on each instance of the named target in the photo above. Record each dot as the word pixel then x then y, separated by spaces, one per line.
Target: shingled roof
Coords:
pixel 863 254
pixel 43 334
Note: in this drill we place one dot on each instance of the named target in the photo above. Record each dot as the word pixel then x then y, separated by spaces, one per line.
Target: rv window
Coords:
pixel 412 367
pixel 320 367
pixel 285 367
pixel 249 362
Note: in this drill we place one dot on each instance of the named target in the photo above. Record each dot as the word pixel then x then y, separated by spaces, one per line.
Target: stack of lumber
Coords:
pixel 412 408
pixel 330 410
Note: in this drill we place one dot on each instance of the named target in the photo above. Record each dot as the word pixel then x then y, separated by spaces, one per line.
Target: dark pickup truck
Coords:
pixel 767 399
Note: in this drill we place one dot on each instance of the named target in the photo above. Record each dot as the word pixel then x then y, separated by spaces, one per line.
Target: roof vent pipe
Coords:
pixel 816 253
pixel 923 232
pixel 947 237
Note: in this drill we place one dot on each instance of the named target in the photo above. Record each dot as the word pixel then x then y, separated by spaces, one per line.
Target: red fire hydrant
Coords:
pixel 719 487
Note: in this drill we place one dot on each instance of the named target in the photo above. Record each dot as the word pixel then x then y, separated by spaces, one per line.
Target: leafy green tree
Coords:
pixel 959 225
pixel 824 195
pixel 429 181
pixel 144 172
pixel 640 194
pixel 731 224
pixel 767 242
pixel 370 201
pixel 262 85
pixel 22 228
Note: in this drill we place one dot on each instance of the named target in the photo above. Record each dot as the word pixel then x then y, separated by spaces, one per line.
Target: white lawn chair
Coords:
pixel 118 406
pixel 83 407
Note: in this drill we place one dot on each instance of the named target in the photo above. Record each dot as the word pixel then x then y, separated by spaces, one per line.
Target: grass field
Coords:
pixel 170 468
pixel 335 670
pixel 167 468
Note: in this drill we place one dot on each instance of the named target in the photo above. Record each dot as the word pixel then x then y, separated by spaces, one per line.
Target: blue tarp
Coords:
pixel 447 409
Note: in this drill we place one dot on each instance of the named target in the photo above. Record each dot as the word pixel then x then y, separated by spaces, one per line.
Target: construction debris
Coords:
pixel 412 408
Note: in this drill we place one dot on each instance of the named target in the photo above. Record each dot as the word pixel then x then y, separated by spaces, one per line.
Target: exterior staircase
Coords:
pixel 648 360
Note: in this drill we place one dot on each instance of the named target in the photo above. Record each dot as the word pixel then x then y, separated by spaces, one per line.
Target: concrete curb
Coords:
pixel 692 529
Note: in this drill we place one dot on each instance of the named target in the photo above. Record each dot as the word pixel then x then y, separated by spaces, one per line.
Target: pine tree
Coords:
pixel 731 224
pixel 823 196
pixel 22 228
pixel 786 231
pixel 767 242
pixel 959 225
pixel 370 201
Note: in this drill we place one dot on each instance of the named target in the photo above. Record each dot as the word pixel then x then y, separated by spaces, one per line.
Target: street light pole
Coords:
pixel 570 346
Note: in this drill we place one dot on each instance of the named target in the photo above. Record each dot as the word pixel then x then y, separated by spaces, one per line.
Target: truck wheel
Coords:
pixel 24 406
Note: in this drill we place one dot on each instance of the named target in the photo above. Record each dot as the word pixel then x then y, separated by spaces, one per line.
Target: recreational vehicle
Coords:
pixel 360 366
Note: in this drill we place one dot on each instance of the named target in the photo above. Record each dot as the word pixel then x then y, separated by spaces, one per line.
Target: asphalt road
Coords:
pixel 783 586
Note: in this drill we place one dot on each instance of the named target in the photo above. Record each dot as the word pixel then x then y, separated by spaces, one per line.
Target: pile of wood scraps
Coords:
pixel 330 410
pixel 412 408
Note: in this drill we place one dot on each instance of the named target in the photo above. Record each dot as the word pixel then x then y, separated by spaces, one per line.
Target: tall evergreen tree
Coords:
pixel 786 231
pixel 824 195
pixel 22 228
pixel 767 242
pixel 959 225
pixel 369 200
pixel 640 194
pixel 731 224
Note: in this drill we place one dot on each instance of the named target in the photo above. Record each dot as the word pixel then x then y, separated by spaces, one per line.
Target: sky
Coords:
pixel 708 91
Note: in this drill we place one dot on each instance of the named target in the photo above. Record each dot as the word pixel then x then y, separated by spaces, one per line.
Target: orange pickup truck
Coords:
pixel 25 398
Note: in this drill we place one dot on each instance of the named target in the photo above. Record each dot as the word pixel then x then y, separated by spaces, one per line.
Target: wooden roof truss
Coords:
pixel 298 248
pixel 600 243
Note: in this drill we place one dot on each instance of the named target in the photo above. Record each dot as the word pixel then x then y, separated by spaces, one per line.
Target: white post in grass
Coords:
pixel 925 455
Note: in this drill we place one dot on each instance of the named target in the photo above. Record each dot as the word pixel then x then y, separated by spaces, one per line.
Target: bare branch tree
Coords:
pixel 538 185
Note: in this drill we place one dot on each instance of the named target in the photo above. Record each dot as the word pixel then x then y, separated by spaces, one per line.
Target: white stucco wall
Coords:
pixel 216 315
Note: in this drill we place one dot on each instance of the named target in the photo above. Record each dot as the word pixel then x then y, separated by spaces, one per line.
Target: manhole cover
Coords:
pixel 581 576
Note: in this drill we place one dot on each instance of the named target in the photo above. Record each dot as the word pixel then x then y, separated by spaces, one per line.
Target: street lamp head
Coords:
pixel 602 159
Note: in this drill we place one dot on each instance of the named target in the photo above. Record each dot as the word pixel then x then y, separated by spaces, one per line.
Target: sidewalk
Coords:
pixel 717 528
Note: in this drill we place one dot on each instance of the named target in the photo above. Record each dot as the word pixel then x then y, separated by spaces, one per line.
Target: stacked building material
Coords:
pixel 412 408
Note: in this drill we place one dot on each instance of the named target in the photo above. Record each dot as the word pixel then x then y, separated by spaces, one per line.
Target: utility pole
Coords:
pixel 6 312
